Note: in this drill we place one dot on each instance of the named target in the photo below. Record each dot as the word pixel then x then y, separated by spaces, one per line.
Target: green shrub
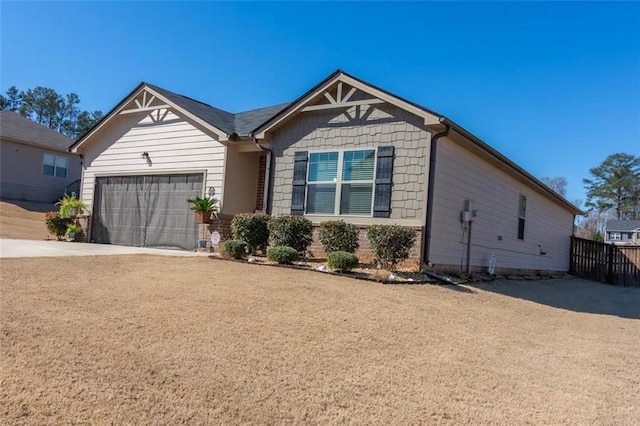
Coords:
pixel 237 249
pixel 282 254
pixel 390 243
pixel 70 205
pixel 75 229
pixel 252 229
pixel 292 231
pixel 338 235
pixel 342 260
pixel 56 224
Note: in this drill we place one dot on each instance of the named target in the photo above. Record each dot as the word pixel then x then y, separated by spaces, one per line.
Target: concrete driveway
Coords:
pixel 34 248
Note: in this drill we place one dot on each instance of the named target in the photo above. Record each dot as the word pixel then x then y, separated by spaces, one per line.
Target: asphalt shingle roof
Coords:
pixel 18 128
pixel 622 225
pixel 241 123
pixel 247 121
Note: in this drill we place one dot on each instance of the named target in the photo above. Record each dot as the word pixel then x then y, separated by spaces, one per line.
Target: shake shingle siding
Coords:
pixel 334 130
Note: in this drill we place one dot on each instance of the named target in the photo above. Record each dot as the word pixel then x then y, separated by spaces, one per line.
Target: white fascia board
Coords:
pixel 222 136
pixel 429 118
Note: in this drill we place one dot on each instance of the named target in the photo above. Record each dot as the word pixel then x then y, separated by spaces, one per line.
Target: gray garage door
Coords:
pixel 146 211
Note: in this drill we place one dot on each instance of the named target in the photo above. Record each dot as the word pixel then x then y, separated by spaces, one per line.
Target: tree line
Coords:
pixel 613 192
pixel 47 107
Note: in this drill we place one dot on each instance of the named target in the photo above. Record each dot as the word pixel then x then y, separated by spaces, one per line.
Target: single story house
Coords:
pixel 345 149
pixel 622 232
pixel 35 164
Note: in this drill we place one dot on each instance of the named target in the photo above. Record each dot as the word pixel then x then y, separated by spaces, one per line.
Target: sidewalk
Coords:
pixel 33 248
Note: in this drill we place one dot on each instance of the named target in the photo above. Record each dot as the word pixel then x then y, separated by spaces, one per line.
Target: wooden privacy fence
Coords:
pixel 607 263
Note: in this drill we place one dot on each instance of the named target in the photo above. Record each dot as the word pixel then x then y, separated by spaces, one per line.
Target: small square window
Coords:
pixel 55 165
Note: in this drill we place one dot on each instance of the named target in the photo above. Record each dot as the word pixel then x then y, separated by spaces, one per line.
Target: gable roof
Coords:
pixel 245 122
pixel 431 118
pixel 21 129
pixel 221 119
pixel 256 122
pixel 239 124
pixel 622 225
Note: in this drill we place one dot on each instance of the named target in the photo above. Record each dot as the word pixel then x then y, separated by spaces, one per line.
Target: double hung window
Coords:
pixel 55 165
pixel 341 182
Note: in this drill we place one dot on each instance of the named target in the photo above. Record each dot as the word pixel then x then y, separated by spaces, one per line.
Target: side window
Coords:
pixel 61 167
pixel 55 165
pixel 49 165
pixel 522 211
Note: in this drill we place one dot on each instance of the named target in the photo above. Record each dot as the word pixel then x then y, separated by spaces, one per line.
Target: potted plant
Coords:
pixel 71 206
pixel 204 208
pixel 73 230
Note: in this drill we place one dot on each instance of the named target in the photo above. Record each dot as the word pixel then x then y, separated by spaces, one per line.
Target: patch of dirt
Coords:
pixel 24 220
pixel 156 340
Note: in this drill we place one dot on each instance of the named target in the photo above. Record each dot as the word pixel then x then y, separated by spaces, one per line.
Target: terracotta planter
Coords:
pixel 203 217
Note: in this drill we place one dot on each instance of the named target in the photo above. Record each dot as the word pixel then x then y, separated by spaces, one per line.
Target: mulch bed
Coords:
pixel 367 272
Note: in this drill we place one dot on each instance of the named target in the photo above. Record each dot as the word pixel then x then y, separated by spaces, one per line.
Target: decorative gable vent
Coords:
pixel 339 97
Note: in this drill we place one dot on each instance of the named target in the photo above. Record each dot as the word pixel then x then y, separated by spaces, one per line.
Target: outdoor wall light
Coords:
pixel 211 191
pixel 144 155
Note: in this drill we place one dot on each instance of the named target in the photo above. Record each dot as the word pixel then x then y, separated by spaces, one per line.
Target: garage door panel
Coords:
pixel 149 211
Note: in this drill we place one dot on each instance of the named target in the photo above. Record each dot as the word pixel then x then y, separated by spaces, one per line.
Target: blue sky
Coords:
pixel 554 86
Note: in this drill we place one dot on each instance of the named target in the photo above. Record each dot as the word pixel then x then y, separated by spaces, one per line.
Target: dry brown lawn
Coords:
pixel 150 340
pixel 24 220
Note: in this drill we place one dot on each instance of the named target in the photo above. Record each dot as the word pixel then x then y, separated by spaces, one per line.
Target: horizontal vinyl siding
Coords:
pixel 175 145
pixel 460 176
pixel 21 174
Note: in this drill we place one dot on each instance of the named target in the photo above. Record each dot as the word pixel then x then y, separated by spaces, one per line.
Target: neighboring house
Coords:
pixel 343 150
pixel 622 232
pixel 35 164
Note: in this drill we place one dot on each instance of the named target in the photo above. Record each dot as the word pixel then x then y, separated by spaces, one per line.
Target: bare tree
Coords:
pixel 558 184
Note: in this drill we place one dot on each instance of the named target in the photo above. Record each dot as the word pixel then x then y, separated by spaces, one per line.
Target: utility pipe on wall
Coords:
pixel 426 236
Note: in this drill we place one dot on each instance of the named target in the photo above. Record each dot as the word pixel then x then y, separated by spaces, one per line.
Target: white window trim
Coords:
pixel 618 236
pixel 338 182
pixel 522 216
pixel 55 165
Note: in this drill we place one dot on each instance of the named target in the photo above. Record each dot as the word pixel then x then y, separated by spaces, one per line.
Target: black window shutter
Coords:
pixel 299 182
pixel 384 174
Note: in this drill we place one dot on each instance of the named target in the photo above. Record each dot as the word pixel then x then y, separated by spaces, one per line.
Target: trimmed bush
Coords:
pixel 282 254
pixel 390 243
pixel 56 224
pixel 251 228
pixel 236 249
pixel 338 235
pixel 291 231
pixel 342 261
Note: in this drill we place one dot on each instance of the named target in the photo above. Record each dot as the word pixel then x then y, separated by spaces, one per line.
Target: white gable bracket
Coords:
pixel 144 109
pixel 342 104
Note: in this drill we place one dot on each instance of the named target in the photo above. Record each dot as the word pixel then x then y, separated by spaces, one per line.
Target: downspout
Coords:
pixel 426 236
pixel 267 173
